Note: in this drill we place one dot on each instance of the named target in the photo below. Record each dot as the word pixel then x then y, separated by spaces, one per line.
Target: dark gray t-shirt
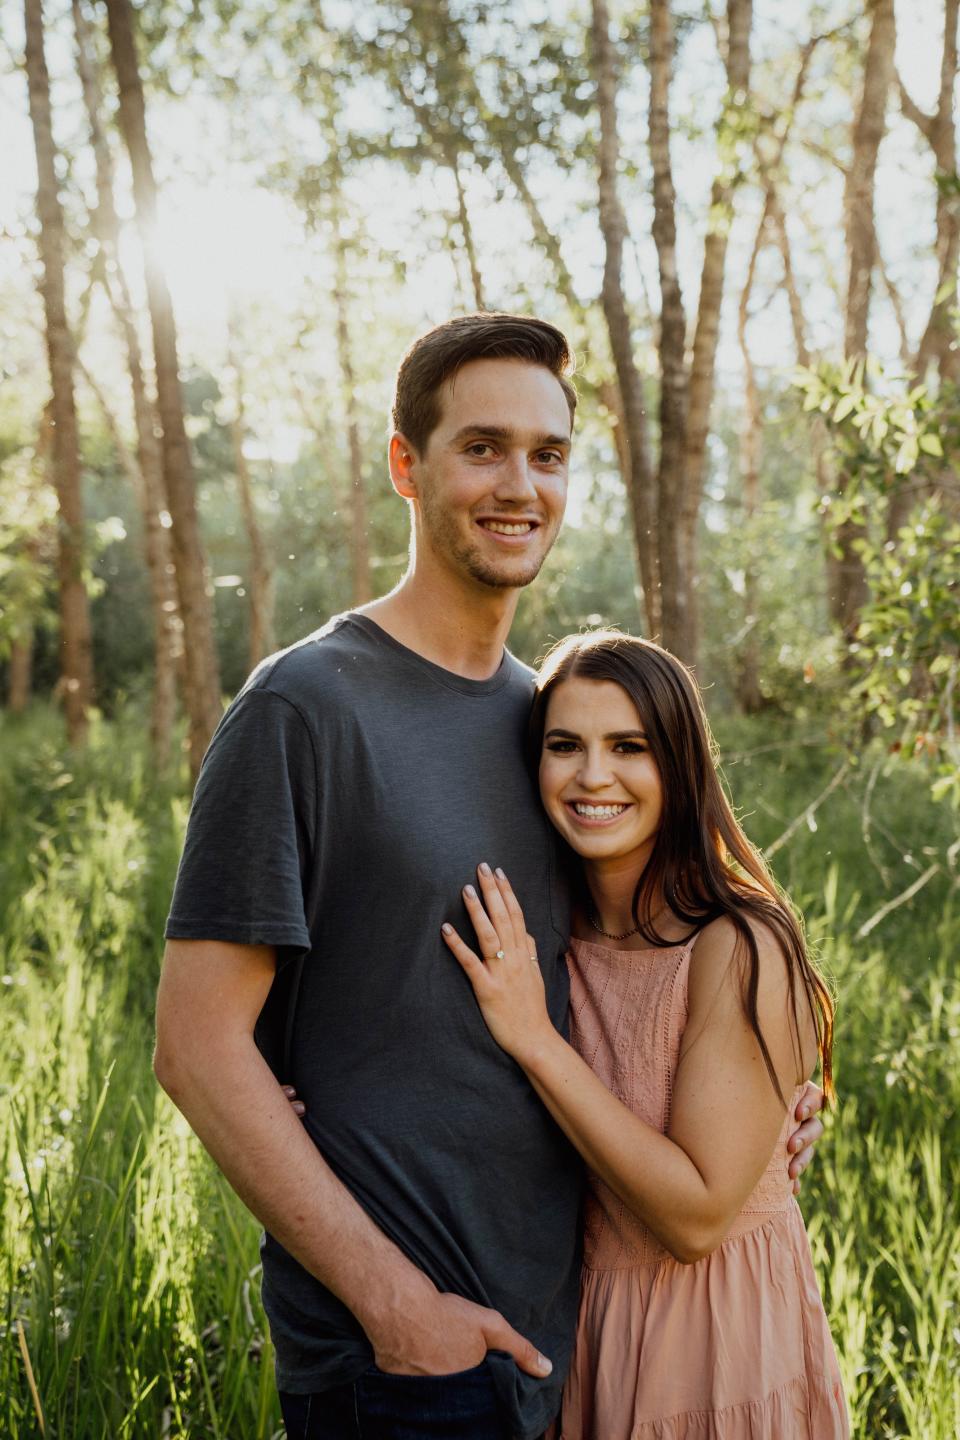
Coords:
pixel 349 793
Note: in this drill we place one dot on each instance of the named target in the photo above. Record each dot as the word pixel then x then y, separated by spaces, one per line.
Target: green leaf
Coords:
pixel 943 786
pixel 845 404
pixel 930 444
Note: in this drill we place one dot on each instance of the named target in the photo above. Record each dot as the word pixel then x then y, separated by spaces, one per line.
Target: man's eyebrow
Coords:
pixel 506 432
pixel 610 735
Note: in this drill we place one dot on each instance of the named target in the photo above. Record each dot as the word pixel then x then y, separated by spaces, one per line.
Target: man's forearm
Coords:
pixel 234 1104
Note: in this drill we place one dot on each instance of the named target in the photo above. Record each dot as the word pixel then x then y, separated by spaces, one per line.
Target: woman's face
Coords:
pixel 598 781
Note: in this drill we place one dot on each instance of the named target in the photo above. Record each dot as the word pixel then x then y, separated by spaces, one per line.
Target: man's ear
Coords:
pixel 402 458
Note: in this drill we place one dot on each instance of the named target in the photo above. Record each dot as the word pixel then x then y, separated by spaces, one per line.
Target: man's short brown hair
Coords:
pixel 488 335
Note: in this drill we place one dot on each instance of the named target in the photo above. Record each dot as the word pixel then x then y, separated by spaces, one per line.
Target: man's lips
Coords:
pixel 512 531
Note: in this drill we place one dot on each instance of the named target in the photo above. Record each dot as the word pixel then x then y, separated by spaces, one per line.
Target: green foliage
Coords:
pixel 28 509
pixel 878 435
pixel 892 446
pixel 908 642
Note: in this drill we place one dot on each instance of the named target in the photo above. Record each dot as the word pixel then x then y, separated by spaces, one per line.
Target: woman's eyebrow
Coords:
pixel 611 735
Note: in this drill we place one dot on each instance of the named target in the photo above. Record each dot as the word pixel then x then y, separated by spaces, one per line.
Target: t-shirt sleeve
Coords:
pixel 251 832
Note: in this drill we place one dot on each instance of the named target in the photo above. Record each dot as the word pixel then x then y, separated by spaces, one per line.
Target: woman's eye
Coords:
pixel 632 747
pixel 560 747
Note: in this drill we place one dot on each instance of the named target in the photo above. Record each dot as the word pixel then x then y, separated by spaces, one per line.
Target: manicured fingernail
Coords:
pixel 469 890
pixel 501 875
pixel 543 1364
pixel 805 1113
pixel 446 928
pixel 484 868
pixel 299 1108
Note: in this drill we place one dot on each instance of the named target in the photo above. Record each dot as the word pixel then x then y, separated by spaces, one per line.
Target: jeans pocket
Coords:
pixel 374 1370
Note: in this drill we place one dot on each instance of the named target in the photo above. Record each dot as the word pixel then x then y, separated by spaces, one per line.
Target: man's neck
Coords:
pixel 462 628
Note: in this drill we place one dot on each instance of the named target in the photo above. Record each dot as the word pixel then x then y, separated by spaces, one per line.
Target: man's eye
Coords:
pixel 549 457
pixel 477 447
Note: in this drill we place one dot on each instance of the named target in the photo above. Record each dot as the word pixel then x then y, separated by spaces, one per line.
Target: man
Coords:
pixel 420 1261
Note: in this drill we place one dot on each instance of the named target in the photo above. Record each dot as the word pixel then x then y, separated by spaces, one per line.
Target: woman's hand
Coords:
pixel 297 1106
pixel 506 980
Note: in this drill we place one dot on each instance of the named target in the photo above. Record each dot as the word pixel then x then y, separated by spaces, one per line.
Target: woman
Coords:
pixel 692 999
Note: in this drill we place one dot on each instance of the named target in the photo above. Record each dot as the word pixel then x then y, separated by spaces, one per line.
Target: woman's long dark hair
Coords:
pixel 702 865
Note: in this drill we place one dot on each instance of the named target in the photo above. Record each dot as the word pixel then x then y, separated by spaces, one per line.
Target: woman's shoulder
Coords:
pixel 720 964
pixel 721 968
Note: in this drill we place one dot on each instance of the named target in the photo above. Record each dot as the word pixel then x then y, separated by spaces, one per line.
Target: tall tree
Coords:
pixel 613 225
pixel 849 591
pixel 466 232
pixel 76 666
pixel 938 342
pixel 359 538
pixel 260 587
pixel 686 387
pixel 147 475
pixel 684 623
pixel 201 669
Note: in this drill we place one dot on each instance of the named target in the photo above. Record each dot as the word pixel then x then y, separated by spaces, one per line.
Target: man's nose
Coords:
pixel 515 481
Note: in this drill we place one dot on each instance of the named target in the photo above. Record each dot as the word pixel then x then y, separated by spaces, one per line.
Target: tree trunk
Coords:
pixel 671 477
pixel 359 539
pixel 76 666
pixel 939 342
pixel 466 231
pixel 938 345
pixel 706 333
pixel 608 390
pixel 613 226
pixel 163 700
pixel 849 592
pixel 146 475
pixel 20 672
pixel 262 642
pixel 859 221
pixel 750 697
pixel 201 671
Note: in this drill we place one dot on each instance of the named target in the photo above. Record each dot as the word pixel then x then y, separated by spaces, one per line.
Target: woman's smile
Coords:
pixel 590 813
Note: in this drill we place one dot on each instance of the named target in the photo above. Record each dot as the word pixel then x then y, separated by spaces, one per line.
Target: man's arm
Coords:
pixel 210 996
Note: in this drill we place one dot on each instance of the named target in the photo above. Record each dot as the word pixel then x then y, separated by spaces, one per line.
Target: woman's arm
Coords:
pixel 689 1185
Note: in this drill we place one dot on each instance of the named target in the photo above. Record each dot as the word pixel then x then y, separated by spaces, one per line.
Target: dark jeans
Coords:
pixel 399 1407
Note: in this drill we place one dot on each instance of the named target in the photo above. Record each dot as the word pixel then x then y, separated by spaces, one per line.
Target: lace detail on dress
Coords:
pixel 628 1011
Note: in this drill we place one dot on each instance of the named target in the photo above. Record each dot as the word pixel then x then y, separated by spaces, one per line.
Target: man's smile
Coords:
pixel 508 530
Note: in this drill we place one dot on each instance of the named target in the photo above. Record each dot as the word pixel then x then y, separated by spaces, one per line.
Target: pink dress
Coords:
pixel 734 1347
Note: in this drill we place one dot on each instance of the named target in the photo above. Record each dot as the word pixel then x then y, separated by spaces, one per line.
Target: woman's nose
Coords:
pixel 594 772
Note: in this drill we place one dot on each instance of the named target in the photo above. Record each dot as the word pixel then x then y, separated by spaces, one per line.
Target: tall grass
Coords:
pixel 133 1270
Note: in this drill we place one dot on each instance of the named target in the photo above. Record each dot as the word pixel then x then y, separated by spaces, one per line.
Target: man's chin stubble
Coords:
pixel 497 579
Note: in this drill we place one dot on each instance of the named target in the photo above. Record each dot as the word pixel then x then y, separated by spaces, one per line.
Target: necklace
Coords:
pixel 600 930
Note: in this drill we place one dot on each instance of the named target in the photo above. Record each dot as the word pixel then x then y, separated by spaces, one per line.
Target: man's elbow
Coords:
pixel 166 1067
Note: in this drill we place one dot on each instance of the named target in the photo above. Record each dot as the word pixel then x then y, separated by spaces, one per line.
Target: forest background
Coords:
pixel 222 224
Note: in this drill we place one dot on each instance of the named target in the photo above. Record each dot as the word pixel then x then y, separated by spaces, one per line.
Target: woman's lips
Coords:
pixel 596 816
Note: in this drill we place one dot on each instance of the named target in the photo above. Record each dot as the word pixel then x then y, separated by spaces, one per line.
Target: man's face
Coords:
pixel 492 481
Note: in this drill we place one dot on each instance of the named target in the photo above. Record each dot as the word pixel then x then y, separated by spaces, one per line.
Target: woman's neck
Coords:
pixel 611 885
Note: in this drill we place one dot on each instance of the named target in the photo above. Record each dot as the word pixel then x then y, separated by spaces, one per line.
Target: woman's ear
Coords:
pixel 402 460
